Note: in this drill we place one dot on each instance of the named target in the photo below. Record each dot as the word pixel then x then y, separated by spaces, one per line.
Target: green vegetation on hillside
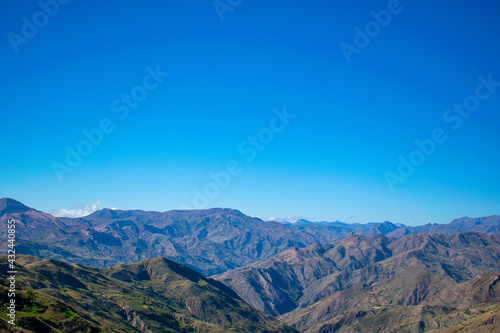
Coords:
pixel 155 295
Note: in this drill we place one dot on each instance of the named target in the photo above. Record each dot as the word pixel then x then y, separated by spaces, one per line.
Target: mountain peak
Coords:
pixel 105 213
pixel 10 206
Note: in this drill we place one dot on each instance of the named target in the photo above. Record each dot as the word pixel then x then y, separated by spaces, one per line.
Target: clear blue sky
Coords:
pixel 353 119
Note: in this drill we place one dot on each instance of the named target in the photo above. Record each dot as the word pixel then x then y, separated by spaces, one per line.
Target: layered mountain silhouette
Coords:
pixel 155 295
pixel 326 232
pixel 211 241
pixel 312 277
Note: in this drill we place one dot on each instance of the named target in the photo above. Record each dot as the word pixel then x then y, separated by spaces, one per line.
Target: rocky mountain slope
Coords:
pixel 352 282
pixel 430 303
pixel 149 296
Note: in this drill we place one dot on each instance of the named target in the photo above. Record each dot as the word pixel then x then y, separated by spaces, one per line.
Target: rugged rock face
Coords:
pixel 134 319
pixel 155 295
pixel 329 287
pixel 432 303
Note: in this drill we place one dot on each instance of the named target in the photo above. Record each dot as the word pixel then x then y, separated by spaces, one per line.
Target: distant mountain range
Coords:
pixel 489 225
pixel 211 241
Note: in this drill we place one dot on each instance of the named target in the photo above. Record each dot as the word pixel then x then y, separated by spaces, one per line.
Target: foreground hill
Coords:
pixel 155 295
pixel 211 241
pixel 360 282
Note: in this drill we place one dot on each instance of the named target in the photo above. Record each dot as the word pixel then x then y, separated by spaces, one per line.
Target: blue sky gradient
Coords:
pixel 228 79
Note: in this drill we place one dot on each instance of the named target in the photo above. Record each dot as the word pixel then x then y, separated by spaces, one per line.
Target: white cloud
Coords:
pixel 291 219
pixel 77 211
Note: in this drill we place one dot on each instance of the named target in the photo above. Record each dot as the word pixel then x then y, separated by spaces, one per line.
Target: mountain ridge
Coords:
pixel 211 241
